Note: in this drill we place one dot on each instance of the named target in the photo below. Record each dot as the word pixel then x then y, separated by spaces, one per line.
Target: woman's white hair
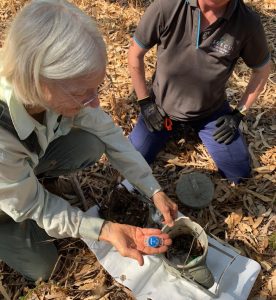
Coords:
pixel 50 39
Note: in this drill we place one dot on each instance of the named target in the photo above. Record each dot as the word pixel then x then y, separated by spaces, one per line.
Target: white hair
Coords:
pixel 50 39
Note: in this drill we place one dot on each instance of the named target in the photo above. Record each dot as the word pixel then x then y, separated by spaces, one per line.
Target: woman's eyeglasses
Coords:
pixel 87 101
pixel 84 102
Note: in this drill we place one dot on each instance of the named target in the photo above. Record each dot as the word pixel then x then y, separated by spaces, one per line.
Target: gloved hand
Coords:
pixel 153 118
pixel 227 127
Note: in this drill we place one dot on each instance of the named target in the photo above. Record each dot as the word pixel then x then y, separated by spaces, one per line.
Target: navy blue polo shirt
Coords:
pixel 193 67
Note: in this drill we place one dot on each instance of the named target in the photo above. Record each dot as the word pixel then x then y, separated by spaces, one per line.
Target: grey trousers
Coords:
pixel 24 246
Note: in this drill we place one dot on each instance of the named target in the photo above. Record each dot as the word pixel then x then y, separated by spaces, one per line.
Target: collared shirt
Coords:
pixel 193 66
pixel 23 197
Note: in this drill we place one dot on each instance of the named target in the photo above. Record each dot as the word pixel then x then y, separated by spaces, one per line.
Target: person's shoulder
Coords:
pixel 170 7
pixel 248 14
pixel 169 4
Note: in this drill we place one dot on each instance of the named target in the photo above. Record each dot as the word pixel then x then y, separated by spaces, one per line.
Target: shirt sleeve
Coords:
pixel 255 52
pixel 23 197
pixel 120 152
pixel 149 29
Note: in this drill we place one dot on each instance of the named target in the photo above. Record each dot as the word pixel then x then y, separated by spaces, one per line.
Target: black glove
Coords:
pixel 153 118
pixel 228 126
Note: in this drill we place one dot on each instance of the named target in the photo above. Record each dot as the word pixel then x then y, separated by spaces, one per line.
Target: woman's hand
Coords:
pixel 130 240
pixel 166 206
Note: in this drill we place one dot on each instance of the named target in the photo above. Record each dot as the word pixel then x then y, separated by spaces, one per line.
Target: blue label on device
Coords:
pixel 154 241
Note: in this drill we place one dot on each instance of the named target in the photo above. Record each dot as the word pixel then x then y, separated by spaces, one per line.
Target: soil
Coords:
pixel 124 207
pixel 180 248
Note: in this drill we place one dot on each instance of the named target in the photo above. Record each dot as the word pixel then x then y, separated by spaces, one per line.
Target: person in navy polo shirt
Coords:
pixel 198 45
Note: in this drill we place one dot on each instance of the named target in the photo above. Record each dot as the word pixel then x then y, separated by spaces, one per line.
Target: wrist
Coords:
pixel 105 232
pixel 143 98
pixel 146 101
pixel 242 109
pixel 237 114
pixel 157 195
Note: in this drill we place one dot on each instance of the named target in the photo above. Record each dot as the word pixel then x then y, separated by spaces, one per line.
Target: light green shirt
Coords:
pixel 21 194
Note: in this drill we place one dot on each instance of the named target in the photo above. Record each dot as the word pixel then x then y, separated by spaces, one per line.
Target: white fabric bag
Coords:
pixel 236 274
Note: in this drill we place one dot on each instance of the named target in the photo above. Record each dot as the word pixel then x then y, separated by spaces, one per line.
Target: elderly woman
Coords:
pixel 52 63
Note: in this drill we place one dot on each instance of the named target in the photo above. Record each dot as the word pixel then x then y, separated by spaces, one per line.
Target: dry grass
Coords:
pixel 243 215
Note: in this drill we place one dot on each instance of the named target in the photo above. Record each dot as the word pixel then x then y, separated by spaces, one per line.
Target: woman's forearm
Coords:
pixel 255 86
pixel 137 70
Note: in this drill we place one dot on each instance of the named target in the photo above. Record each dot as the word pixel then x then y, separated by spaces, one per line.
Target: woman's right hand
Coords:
pixel 152 116
pixel 130 240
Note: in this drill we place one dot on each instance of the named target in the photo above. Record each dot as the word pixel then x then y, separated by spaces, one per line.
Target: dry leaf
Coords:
pixel 267 213
pixel 244 227
pixel 258 222
pixel 255 161
pixel 263 139
pixel 259 196
pixel 265 169
pixel 224 197
pixel 255 232
pixel 4 292
pixel 84 270
pixel 271 284
pixel 88 285
pixel 258 117
pixel 265 228
pixel 248 241
pixel 234 219
pixel 266 265
pixel 260 209
pixel 249 220
pixel 272 241
pixel 55 296
pixel 263 243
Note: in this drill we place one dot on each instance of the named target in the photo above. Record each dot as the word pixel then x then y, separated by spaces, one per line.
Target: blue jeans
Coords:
pixel 233 160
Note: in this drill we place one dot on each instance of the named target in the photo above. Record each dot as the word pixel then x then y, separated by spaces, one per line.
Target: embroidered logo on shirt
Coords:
pixel 224 45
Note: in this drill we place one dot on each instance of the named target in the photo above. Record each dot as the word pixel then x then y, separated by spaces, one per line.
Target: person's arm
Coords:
pixel 153 118
pixel 126 159
pixel 120 152
pixel 147 34
pixel 136 68
pixel 259 61
pixel 255 86
pixel 23 197
pixel 229 123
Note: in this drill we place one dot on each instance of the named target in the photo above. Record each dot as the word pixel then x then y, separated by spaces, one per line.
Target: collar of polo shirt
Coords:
pixel 229 11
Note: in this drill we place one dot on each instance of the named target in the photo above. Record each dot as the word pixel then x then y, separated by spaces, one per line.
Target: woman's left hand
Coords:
pixel 130 240
pixel 166 206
